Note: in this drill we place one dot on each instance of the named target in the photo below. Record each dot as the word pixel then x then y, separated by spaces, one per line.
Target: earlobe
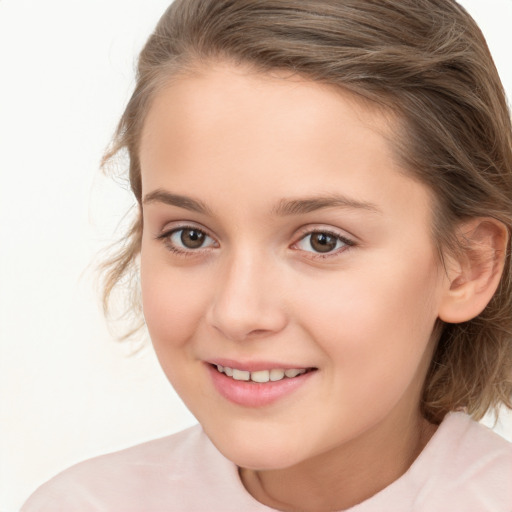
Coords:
pixel 474 273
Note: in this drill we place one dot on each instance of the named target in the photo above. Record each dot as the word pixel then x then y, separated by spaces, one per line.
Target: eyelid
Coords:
pixel 323 228
pixel 310 230
pixel 169 227
pixel 172 228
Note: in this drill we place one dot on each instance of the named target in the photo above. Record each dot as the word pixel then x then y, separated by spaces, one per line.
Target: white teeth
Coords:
pixel 276 375
pixel 241 375
pixel 293 373
pixel 261 376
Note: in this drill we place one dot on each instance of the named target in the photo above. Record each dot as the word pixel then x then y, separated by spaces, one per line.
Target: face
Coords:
pixel 281 234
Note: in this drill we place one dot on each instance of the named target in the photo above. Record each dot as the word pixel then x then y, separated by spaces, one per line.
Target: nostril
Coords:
pixel 256 332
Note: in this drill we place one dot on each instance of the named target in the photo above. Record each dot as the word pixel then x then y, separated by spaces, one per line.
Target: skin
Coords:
pixel 362 314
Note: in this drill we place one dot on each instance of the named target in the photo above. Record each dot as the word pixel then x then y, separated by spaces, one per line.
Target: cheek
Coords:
pixel 375 322
pixel 173 303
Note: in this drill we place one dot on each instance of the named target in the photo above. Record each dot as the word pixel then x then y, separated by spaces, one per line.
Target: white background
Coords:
pixel 68 390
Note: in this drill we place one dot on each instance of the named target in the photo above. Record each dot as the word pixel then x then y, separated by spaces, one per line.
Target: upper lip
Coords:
pixel 254 366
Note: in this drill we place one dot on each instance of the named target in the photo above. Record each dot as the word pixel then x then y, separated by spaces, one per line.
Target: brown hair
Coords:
pixel 427 62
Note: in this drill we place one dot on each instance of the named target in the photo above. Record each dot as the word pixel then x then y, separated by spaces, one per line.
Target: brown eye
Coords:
pixel 187 239
pixel 192 238
pixel 323 242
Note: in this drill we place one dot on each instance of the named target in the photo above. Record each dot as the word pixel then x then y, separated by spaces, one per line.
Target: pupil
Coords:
pixel 322 242
pixel 192 238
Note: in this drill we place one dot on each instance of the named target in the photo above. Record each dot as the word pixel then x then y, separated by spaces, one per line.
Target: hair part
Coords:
pixel 427 62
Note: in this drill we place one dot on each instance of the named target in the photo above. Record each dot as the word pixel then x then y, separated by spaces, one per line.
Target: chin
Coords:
pixel 258 452
pixel 259 459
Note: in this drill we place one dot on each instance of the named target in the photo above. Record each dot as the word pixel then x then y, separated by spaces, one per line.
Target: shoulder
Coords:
pixel 472 447
pixel 150 476
pixel 466 466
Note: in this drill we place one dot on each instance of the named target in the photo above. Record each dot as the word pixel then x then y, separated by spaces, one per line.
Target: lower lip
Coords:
pixel 255 394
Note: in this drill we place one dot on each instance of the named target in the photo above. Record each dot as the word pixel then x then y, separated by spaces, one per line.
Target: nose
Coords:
pixel 248 301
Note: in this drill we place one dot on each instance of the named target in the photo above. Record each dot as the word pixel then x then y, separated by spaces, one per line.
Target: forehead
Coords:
pixel 279 135
pixel 223 97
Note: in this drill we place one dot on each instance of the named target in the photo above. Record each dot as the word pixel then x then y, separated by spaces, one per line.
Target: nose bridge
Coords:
pixel 246 302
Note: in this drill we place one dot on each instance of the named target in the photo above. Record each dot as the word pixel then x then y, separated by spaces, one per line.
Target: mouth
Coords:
pixel 258 385
pixel 261 376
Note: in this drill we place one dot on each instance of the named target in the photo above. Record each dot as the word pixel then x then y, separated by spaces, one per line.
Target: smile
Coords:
pixel 260 376
pixel 257 386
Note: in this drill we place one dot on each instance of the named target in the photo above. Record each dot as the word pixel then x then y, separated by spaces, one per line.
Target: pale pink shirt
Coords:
pixel 464 468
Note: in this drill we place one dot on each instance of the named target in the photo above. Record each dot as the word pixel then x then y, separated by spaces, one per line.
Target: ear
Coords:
pixel 475 272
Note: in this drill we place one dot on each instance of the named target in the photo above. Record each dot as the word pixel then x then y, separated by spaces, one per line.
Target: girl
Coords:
pixel 323 242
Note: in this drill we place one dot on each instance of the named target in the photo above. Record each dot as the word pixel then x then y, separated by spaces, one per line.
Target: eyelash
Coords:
pixel 348 243
pixel 166 239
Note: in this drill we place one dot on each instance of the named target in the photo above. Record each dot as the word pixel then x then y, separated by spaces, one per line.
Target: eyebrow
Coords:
pixel 283 208
pixel 162 196
pixel 310 204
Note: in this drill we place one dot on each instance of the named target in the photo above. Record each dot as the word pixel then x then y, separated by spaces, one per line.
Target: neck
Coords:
pixel 346 476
